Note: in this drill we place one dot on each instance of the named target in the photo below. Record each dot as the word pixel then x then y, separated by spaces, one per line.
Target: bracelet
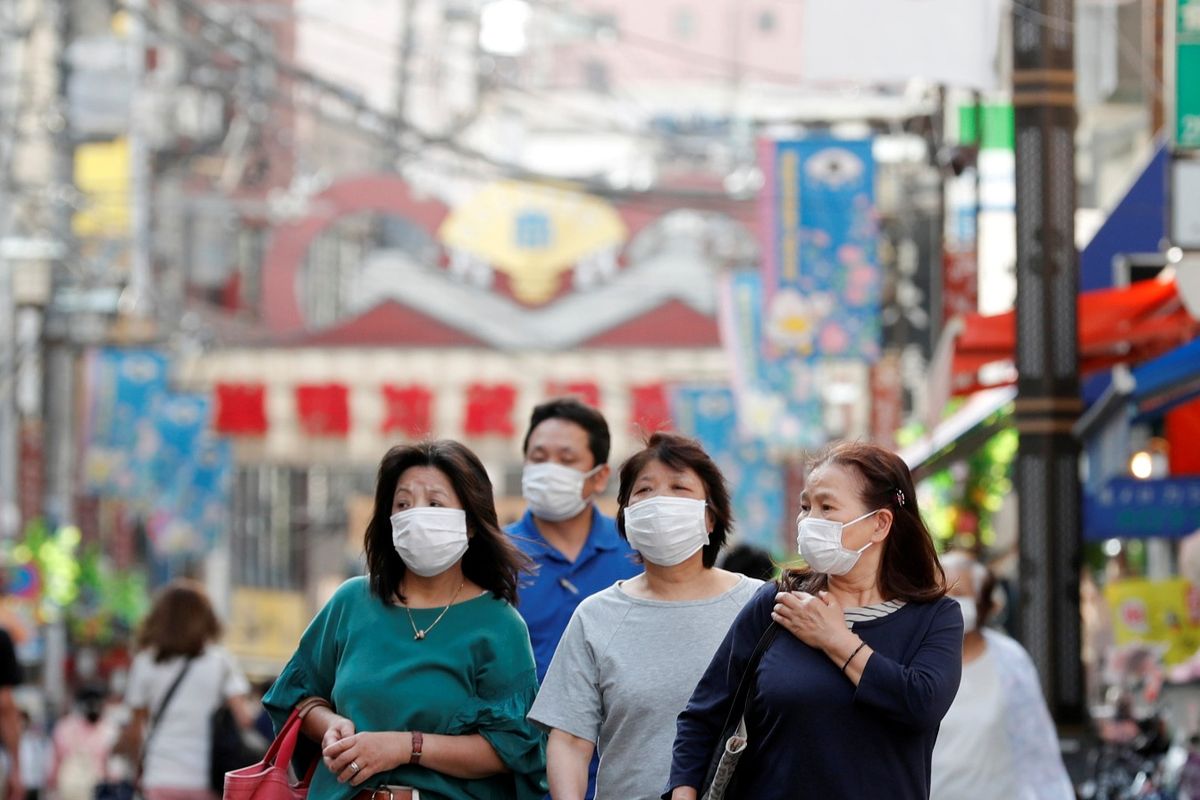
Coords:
pixel 417 741
pixel 861 645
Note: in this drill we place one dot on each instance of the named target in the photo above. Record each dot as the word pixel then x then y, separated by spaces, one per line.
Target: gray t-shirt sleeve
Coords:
pixel 570 695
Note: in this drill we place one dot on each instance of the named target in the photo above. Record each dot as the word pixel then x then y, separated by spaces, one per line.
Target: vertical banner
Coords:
pixel 154 451
pixel 1187 75
pixel 817 296
pixel 776 396
pixel 124 386
pixel 887 400
pixel 191 473
pixel 708 414
pixel 822 279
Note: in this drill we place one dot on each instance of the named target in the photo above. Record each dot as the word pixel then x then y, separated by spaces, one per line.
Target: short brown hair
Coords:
pixel 909 568
pixel 180 623
pixel 491 560
pixel 681 452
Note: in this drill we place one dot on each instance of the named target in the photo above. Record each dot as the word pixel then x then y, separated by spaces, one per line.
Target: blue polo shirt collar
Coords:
pixel 600 538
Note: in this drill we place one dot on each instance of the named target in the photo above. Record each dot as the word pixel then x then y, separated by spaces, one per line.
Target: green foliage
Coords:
pixel 78 584
pixel 960 502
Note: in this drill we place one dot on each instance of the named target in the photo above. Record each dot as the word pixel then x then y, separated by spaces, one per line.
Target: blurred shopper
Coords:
pixel 848 696
pixel 575 548
pixel 746 559
pixel 10 718
pixel 83 742
pixel 998 740
pixel 417 678
pixel 632 653
pixel 36 754
pixel 178 679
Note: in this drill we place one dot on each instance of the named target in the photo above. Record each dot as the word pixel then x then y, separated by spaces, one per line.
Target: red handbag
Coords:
pixel 270 779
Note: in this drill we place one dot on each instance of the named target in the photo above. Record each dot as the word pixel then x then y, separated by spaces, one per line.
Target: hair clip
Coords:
pixel 900 496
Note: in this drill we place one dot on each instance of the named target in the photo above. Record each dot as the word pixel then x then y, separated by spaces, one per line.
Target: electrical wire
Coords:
pixel 387 122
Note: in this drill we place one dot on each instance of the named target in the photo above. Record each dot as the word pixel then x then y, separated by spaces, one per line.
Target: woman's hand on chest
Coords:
pixel 817 620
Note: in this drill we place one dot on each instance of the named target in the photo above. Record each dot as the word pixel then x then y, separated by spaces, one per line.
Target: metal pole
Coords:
pixel 1047 356
pixel 10 52
pixel 403 77
pixel 138 303
pixel 9 515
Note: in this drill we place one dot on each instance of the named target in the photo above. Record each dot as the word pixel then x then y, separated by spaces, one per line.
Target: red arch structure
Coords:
pixel 383 194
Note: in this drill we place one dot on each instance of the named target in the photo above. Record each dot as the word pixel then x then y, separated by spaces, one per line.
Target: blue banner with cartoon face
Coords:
pixel 822 276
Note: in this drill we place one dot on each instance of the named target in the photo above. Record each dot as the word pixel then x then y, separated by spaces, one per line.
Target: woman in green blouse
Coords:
pixel 416 679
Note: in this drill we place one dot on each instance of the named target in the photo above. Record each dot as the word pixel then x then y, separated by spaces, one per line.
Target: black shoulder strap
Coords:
pixel 738 707
pixel 167 697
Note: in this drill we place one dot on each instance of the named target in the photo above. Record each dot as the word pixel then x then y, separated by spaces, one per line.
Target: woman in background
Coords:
pixel 179 656
pixel 998 741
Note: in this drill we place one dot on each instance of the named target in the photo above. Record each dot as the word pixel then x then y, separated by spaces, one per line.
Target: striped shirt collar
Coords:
pixel 873 611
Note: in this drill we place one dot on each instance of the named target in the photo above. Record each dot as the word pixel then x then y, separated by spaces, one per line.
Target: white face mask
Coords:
pixel 970 612
pixel 430 539
pixel 666 530
pixel 820 544
pixel 554 492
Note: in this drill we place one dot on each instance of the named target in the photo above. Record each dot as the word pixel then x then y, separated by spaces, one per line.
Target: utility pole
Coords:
pixel 406 42
pixel 140 254
pixel 10 116
pixel 1047 358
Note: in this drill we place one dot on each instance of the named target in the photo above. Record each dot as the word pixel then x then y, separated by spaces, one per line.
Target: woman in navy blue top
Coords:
pixel 847 698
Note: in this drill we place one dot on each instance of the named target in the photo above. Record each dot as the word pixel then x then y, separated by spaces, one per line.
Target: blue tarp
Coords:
pixel 1167 381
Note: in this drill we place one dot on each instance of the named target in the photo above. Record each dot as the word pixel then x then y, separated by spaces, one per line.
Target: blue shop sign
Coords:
pixel 1132 509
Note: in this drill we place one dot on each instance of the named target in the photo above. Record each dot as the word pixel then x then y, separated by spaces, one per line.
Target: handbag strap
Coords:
pixel 742 694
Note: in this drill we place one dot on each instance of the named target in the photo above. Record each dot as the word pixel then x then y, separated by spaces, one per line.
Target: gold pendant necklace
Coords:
pixel 419 633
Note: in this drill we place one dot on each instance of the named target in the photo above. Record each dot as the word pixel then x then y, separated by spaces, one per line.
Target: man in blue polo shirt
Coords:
pixel 576 548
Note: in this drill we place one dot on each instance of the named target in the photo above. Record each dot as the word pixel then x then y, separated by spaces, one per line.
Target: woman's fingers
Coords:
pixel 338 747
pixel 364 774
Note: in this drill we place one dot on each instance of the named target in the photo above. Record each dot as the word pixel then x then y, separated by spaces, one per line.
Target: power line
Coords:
pixel 384 122
pixel 478 169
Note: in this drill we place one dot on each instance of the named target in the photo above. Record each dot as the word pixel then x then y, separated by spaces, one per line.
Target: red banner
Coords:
pixel 241 409
pixel 887 400
pixel 490 409
pixel 960 283
pixel 323 409
pixel 407 410
pixel 584 391
pixel 31 474
pixel 651 410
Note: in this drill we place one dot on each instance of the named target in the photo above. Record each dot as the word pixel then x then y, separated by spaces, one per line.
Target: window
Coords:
pixel 533 230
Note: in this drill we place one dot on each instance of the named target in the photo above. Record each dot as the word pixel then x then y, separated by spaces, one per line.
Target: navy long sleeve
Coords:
pixel 812 733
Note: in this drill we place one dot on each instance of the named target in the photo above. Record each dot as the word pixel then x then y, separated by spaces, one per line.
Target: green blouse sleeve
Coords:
pixel 311 670
pixel 506 682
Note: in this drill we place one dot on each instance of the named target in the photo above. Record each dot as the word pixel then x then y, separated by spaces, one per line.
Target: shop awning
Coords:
pixel 1125 325
pixel 961 433
pixel 1167 381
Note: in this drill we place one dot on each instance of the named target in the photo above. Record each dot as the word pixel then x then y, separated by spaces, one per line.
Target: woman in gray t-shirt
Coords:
pixel 633 653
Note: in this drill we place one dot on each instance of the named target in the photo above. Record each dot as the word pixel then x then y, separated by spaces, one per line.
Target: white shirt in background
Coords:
pixel 179 749
pixel 973 757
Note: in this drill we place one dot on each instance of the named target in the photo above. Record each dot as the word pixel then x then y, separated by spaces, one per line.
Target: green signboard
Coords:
pixel 1187 75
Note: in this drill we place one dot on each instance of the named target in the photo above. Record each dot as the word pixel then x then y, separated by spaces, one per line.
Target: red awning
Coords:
pixel 1124 325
